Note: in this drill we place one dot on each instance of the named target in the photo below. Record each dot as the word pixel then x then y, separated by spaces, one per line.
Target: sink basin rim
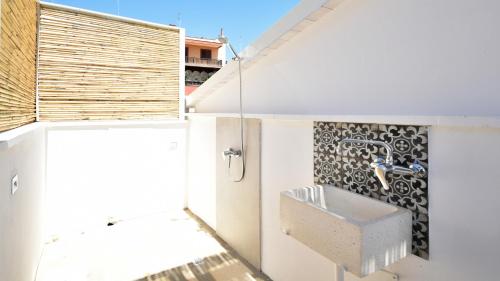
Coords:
pixel 339 213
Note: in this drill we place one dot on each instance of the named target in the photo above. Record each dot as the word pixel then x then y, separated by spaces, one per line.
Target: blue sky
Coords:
pixel 243 20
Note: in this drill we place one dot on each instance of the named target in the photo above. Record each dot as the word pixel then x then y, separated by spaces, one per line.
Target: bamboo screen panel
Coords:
pixel 96 68
pixel 17 63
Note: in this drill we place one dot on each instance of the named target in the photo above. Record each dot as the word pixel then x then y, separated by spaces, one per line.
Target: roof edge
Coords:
pixel 298 19
pixel 107 16
pixel 203 39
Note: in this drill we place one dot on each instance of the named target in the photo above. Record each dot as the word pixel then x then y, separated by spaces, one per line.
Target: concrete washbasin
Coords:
pixel 361 234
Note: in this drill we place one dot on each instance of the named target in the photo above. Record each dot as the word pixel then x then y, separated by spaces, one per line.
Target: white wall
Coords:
pixel 464 234
pixel 386 57
pixel 463 193
pixel 221 54
pixel 97 173
pixel 201 169
pixel 287 162
pixel 21 214
pixel 238 203
pixel 401 57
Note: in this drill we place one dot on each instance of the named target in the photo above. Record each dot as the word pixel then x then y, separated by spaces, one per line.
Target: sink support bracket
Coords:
pixel 381 275
pixel 339 272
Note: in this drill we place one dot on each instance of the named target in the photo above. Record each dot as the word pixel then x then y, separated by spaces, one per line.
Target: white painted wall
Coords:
pixel 21 214
pixel 287 162
pixel 201 172
pixel 380 56
pixel 464 243
pixel 385 57
pixel 463 193
pixel 97 173
pixel 238 203
pixel 221 54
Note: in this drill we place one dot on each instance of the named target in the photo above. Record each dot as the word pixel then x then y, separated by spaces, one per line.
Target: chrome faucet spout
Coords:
pixel 388 158
pixel 380 169
pixel 383 166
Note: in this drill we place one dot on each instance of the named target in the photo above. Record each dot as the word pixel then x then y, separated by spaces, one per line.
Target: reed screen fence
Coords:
pixel 97 68
pixel 18 23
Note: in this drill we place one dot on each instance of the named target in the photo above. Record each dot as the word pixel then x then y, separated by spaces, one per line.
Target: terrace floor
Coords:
pixel 159 247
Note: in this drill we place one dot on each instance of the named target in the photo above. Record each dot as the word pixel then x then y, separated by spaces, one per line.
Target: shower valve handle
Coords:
pixel 229 154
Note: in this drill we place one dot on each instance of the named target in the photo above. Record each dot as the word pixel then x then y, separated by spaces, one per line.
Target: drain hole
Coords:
pixel 112 221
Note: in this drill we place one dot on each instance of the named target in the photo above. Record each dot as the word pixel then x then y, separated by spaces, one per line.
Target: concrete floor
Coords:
pixel 159 247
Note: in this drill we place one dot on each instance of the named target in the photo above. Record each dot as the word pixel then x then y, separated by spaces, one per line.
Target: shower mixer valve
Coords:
pixel 382 166
pixel 229 153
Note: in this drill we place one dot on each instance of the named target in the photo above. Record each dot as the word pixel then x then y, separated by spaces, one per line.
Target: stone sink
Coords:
pixel 361 234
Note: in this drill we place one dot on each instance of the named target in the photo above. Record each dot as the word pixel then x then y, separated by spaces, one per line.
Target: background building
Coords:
pixel 204 57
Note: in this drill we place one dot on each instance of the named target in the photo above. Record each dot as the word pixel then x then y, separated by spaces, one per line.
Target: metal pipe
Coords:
pixel 388 159
pixel 223 39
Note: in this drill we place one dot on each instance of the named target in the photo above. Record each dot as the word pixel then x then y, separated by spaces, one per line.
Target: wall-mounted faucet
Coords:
pixel 382 166
pixel 229 153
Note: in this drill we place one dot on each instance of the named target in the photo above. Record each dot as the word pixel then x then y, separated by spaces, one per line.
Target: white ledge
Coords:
pixel 420 120
pixel 114 124
pixel 14 136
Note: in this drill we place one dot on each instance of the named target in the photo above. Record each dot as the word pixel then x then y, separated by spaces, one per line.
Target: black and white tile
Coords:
pixel 349 167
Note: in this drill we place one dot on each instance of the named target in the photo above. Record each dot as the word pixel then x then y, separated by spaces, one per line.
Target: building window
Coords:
pixel 186 52
pixel 206 54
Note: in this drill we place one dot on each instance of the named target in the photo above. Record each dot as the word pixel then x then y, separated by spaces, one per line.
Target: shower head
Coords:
pixel 224 40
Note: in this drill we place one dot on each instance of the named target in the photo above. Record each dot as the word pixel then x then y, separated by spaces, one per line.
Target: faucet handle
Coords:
pixel 380 169
pixel 377 161
pixel 418 170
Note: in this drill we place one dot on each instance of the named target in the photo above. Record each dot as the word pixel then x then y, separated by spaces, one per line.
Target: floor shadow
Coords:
pixel 224 266
pixel 213 268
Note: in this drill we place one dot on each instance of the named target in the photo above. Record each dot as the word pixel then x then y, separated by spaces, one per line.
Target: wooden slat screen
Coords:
pixel 97 68
pixel 17 63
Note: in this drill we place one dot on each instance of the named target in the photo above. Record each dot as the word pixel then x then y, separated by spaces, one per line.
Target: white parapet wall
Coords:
pixel 22 153
pixel 201 170
pixel 99 172
pixel 78 176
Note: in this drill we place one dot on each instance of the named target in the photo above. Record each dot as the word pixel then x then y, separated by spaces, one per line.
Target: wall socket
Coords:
pixel 14 184
pixel 172 146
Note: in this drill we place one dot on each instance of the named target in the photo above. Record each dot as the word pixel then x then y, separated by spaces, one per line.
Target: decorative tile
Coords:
pixel 408 142
pixel 407 192
pixel 326 161
pixel 420 232
pixel 327 169
pixel 357 177
pixel 362 132
pixel 350 168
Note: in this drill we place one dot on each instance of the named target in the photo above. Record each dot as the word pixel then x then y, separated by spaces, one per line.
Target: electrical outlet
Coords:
pixel 172 146
pixel 14 184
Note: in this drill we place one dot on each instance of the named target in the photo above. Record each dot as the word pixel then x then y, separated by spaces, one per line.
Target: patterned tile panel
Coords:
pixel 349 168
